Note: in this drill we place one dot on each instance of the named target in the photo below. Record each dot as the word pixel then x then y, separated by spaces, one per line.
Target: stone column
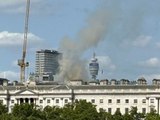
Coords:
pixel 34 100
pixel 29 100
pixel 158 107
pixel 62 102
pixel 52 101
pixel 147 102
pixel 18 101
pixel 44 102
pixel 24 99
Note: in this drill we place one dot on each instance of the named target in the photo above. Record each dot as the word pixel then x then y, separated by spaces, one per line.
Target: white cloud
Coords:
pixel 9 75
pixel 152 62
pixel 105 63
pixel 14 63
pixel 14 39
pixel 140 41
pixel 12 6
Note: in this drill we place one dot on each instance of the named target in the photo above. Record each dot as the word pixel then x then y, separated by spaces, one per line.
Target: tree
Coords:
pixel 4 112
pixel 3 108
pixel 52 112
pixel 85 110
pixel 26 111
pixel 68 112
pixel 127 116
pixel 118 115
pixel 135 115
pixel 102 114
pixel 109 116
pixel 152 115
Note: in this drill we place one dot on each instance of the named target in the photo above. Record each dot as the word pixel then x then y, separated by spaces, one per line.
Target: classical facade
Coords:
pixel 109 95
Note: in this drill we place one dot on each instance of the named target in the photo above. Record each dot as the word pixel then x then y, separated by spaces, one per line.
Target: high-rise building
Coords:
pixel 47 64
pixel 94 67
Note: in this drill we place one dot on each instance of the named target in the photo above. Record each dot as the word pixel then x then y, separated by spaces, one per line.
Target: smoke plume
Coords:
pixel 72 64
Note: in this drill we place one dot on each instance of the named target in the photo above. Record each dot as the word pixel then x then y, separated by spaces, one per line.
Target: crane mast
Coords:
pixel 21 62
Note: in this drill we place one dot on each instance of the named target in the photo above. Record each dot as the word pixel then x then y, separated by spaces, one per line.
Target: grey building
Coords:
pixel 47 64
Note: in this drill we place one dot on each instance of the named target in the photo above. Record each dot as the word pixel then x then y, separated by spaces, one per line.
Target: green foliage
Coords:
pixel 85 110
pixel 117 115
pixel 26 112
pixel 52 112
pixel 102 114
pixel 127 116
pixel 152 116
pixel 80 110
pixel 3 108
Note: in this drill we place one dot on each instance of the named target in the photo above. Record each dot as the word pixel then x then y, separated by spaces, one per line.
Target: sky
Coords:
pixel 124 34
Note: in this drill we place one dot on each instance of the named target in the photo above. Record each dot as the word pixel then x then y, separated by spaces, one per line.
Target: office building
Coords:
pixel 47 64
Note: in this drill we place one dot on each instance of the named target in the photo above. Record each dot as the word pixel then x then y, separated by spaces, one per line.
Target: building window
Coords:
pixel 12 101
pixel 127 101
pixel 109 110
pixel 48 101
pixel 110 101
pixel 144 110
pixel 76 100
pixel 93 101
pixel 41 101
pixel 135 101
pixel 57 100
pixel 118 101
pixel 152 101
pixel 144 101
pixel 151 109
pixel 1 101
pixel 118 109
pixel 126 110
pixel 66 100
pixel 101 100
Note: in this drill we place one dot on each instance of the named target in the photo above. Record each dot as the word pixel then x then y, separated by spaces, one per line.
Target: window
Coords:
pixel 127 101
pixel 152 100
pixel 76 100
pixel 144 101
pixel 1 101
pixel 48 101
pixel 118 101
pixel 12 101
pixel 118 109
pixel 57 100
pixel 109 110
pixel 126 110
pixel 144 110
pixel 93 101
pixel 66 100
pixel 41 101
pixel 135 101
pixel 101 100
pixel 151 109
pixel 110 101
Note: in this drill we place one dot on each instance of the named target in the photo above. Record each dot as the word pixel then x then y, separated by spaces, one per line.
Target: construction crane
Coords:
pixel 21 62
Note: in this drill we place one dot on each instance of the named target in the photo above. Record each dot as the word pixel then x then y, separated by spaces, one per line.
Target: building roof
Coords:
pixel 115 87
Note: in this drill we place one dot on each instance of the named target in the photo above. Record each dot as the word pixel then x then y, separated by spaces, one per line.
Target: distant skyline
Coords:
pixel 129 46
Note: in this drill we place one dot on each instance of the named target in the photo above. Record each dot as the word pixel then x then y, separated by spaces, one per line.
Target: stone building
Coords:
pixel 104 94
